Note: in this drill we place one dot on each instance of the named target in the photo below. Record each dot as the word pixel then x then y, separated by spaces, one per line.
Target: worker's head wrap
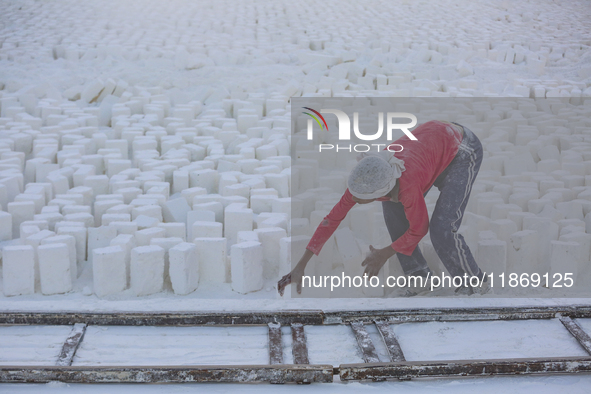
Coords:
pixel 374 175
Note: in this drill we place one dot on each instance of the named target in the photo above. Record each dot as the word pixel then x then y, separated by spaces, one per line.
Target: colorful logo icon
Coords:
pixel 315 118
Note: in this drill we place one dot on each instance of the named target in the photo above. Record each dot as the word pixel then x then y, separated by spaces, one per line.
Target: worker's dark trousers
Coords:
pixel 454 184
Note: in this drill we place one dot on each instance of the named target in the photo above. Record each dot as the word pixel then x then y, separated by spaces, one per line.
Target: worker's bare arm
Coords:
pixel 295 276
pixel 376 259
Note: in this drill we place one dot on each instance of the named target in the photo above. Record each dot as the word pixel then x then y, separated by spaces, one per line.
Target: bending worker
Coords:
pixel 446 155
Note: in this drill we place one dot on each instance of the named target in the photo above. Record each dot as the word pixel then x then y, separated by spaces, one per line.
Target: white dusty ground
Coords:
pixel 76 76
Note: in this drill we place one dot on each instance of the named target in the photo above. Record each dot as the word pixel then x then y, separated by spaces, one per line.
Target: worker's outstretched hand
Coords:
pixel 376 259
pixel 294 277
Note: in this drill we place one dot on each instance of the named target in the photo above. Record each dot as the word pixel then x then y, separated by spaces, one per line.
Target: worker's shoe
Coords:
pixel 411 291
pixel 484 288
pixel 464 291
pixel 405 291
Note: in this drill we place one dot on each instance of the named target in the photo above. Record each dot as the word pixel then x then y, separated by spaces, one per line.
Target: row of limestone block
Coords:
pixel 145 262
pixel 147 269
pixel 145 221
pixel 225 173
pixel 526 242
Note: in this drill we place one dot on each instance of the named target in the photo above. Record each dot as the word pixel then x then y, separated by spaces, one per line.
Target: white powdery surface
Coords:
pixel 31 345
pixel 112 345
pixel 257 46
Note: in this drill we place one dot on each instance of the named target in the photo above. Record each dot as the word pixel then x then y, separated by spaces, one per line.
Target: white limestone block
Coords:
pixel 213 265
pixel 101 207
pixel 54 268
pixel 584 240
pixel 236 218
pixel 547 231
pixel 20 211
pixel 28 230
pixel 299 226
pixel 206 230
pixel 92 90
pixel 238 189
pixel 291 250
pixel 109 272
pixel 562 224
pixel 81 217
pixel 492 256
pixel 564 259
pixel 154 211
pixel 180 181
pixel 278 220
pixel 347 251
pixel 190 193
pixel 500 211
pixel 198 216
pixel 37 199
pixel 214 206
pixel 363 222
pixel 175 210
pixel 35 239
pixel 129 193
pixel 518 218
pixel 108 218
pixel 18 270
pixel 98 183
pixel 115 166
pixel 71 242
pixel 124 227
pixel 100 237
pixel 147 270
pixel 184 268
pixel 177 230
pixel 262 203
pixel 166 244
pixel 50 220
pixel 127 243
pixel 571 209
pixel 279 182
pixel 207 179
pixel 247 267
pixel 5 226
pixel 265 151
pixel 522 252
pixel 282 205
pixel 143 237
pixel 245 236
pixel 144 222
pixel 269 238
pixel 464 69
pixel 551 213
pixel 80 234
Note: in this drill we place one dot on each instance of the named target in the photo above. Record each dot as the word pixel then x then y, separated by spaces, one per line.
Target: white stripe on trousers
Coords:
pixel 457 241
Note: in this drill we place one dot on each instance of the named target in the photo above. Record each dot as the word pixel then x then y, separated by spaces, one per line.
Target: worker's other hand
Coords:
pixel 294 277
pixel 376 259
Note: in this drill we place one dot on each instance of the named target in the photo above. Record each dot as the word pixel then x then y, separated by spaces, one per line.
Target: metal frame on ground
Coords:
pixel 301 371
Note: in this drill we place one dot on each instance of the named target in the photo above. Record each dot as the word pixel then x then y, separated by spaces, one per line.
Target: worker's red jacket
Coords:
pixel 424 159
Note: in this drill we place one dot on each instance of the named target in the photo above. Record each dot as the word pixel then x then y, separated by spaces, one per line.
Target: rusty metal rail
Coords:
pixel 301 371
